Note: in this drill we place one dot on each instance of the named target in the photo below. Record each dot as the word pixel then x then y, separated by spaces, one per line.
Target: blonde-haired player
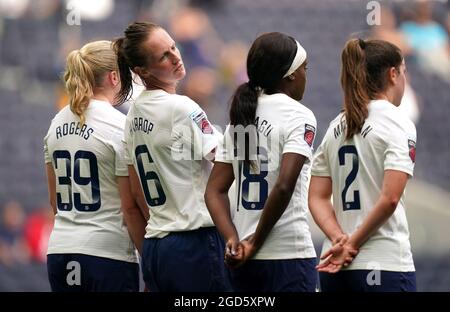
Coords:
pixel 90 247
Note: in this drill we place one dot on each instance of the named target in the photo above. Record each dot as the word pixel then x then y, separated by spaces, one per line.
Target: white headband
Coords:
pixel 299 58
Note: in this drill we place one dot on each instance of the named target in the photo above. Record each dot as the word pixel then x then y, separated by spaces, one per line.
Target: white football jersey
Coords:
pixel 284 126
pixel 168 139
pixel 356 166
pixel 87 161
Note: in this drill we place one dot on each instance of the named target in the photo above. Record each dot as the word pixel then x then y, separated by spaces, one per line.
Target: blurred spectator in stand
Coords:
pixel 387 30
pixel 201 86
pixel 410 103
pixel 13 248
pixel 195 37
pixel 199 43
pixel 37 231
pixel 447 22
pixel 232 64
pixel 428 40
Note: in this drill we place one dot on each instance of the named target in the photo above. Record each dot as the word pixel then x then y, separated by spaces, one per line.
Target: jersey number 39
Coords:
pixel 66 179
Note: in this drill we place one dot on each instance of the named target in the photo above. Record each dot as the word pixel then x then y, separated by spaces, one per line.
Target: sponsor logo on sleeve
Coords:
pixel 310 132
pixel 200 119
pixel 412 150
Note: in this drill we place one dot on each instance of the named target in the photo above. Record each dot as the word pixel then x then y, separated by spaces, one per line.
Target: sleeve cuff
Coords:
pixel 406 170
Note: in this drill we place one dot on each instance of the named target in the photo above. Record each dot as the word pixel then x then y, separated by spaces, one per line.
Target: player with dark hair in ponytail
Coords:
pixel 364 162
pixel 169 147
pixel 267 150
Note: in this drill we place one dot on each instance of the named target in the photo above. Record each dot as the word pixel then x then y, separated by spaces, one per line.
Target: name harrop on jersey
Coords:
pixel 73 128
pixel 141 124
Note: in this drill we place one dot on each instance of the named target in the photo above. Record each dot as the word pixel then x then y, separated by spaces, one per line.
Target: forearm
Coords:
pixel 273 209
pixel 381 212
pixel 137 192
pixel 136 226
pixel 53 205
pixel 142 204
pixel 51 183
pixel 219 208
pixel 323 214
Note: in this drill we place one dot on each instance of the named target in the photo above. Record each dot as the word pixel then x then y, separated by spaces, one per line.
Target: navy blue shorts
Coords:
pixel 368 281
pixel 190 261
pixel 84 273
pixel 291 275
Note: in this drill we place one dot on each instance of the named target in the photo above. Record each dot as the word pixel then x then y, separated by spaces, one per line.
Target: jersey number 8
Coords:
pixel 255 179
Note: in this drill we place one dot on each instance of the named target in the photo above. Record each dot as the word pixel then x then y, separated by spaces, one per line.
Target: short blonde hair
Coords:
pixel 85 70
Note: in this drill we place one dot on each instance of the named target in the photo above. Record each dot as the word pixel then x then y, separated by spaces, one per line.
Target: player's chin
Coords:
pixel 180 73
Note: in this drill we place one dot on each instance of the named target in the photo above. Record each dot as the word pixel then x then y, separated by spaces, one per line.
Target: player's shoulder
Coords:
pixel 305 110
pixel 62 116
pixel 337 120
pixel 336 126
pixel 105 119
pixel 106 107
pixel 293 108
pixel 184 105
pixel 390 116
pixel 187 109
pixel 108 113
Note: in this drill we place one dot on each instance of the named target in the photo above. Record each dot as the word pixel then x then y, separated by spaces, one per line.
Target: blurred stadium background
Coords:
pixel 214 36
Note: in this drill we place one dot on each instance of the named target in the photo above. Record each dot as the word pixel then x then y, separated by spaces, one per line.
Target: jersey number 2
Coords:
pixel 78 179
pixel 146 176
pixel 355 204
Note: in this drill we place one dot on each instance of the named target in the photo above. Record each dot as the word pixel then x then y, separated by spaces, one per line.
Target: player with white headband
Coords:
pixel 267 149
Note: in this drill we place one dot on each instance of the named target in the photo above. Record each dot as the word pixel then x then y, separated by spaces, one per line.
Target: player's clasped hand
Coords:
pixel 340 254
pixel 234 253
pixel 238 252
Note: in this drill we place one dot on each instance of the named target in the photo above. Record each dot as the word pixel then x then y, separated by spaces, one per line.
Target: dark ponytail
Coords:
pixel 363 77
pixel 354 84
pixel 269 58
pixel 243 105
pixel 131 54
pixel 126 80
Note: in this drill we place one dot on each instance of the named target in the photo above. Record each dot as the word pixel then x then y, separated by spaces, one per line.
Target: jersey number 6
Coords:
pixel 146 176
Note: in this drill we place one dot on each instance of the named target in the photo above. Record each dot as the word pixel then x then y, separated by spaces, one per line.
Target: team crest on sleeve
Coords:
pixel 200 119
pixel 310 132
pixel 412 150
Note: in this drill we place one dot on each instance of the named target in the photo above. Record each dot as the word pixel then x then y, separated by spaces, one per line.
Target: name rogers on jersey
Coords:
pixel 73 128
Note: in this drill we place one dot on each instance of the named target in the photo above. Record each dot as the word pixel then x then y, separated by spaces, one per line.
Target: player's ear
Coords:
pixel 291 76
pixel 392 75
pixel 114 78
